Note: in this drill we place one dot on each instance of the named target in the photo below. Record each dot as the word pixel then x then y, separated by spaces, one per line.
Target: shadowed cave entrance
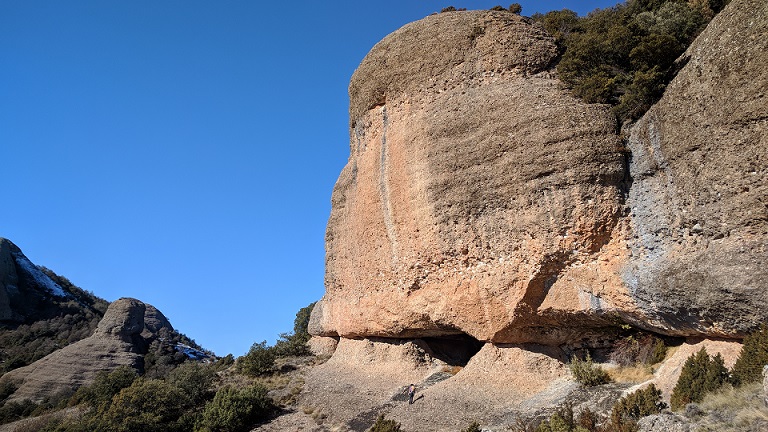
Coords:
pixel 455 350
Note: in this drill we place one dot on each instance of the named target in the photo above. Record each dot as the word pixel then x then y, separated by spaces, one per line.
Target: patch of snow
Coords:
pixel 40 278
pixel 192 353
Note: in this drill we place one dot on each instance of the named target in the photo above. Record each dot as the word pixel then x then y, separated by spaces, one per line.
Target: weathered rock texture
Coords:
pixel 116 342
pixel 481 198
pixel 699 194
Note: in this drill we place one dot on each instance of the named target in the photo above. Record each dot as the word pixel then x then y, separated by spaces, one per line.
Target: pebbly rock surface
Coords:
pixel 480 197
pixel 116 342
pixel 697 200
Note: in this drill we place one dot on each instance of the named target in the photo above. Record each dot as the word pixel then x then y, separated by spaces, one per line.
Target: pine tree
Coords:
pixel 753 356
pixel 701 374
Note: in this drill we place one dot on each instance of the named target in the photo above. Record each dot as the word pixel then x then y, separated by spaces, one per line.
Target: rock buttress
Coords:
pixel 479 197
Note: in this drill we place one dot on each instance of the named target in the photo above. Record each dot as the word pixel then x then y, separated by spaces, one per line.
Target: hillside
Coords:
pixel 56 337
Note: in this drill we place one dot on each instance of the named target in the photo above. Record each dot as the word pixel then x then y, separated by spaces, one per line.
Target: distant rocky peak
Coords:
pixel 23 285
pixel 124 318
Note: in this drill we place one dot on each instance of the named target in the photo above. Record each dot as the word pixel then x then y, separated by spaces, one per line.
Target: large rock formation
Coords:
pixel 25 291
pixel 480 197
pixel 699 195
pixel 117 342
pixel 481 201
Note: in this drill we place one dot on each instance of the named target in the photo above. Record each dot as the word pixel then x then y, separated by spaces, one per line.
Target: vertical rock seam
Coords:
pixel 384 186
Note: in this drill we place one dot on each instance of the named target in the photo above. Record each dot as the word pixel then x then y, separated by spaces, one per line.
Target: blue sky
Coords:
pixel 184 152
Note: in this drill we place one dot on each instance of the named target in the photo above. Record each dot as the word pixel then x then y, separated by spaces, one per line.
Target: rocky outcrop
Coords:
pixel 481 198
pixel 116 342
pixel 699 161
pixel 26 293
pixel 8 278
pixel 481 201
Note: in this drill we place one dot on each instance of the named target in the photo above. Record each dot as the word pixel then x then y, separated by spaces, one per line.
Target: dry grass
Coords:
pixel 631 374
pixel 735 409
pixel 273 382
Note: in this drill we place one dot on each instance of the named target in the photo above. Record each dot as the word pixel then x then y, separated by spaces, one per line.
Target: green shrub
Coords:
pixel 7 388
pixel 234 410
pixel 384 425
pixel 13 411
pixel 587 373
pixel 194 380
pixel 563 420
pixel 628 410
pixel 295 343
pixel 260 360
pixel 515 8
pixel 624 55
pixel 752 358
pixel 148 405
pixel 701 374
pixel 105 387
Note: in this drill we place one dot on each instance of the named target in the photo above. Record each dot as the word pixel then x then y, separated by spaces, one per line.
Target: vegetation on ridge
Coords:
pixel 625 55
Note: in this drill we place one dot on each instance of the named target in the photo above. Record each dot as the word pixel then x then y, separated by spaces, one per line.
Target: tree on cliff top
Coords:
pixel 624 55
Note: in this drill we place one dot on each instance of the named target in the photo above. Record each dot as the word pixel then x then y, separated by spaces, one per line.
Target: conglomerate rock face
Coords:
pixel 484 209
pixel 481 198
pixel 699 194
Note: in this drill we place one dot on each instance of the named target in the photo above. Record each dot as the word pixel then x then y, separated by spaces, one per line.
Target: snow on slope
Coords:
pixel 40 278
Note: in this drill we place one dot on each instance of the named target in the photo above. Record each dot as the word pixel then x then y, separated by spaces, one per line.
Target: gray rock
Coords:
pixel 765 384
pixel 664 422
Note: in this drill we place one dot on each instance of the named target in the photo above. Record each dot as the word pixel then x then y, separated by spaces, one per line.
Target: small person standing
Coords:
pixel 411 392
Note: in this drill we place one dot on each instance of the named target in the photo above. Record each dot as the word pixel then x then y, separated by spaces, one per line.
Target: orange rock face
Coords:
pixel 479 196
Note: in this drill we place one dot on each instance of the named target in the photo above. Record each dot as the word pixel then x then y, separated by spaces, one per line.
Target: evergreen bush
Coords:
pixel 701 374
pixel 235 410
pixel 194 380
pixel 384 425
pixel 628 410
pixel 473 427
pixel 147 405
pixel 104 387
pixel 587 373
pixel 260 360
pixel 624 55
pixel 752 358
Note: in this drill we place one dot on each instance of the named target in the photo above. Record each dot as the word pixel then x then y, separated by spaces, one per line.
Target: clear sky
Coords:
pixel 184 152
